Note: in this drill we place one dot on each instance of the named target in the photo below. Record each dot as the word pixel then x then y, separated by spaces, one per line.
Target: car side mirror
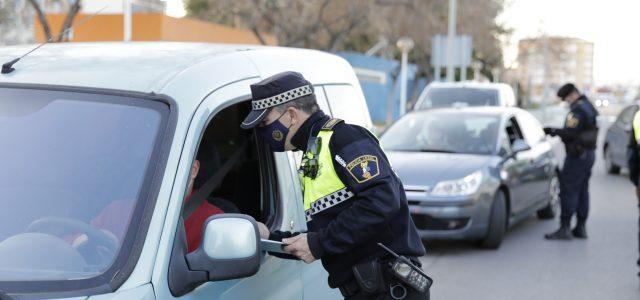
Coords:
pixel 229 248
pixel 520 145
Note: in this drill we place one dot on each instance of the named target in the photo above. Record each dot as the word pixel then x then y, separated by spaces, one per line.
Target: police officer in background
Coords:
pixel 634 161
pixel 352 198
pixel 579 137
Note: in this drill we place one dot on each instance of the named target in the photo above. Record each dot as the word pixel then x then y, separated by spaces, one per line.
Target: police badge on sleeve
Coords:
pixel 364 168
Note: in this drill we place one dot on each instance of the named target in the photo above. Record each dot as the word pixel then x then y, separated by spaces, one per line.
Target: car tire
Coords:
pixel 497 222
pixel 553 207
pixel 611 167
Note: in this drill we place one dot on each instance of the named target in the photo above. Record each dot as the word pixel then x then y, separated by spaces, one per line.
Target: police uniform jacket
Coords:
pixel 347 233
pixel 580 129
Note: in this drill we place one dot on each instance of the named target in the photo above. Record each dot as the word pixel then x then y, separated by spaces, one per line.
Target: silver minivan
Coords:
pixel 97 143
pixel 465 94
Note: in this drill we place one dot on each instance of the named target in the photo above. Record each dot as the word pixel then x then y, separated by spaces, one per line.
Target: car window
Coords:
pixel 459 96
pixel 75 173
pixel 531 128
pixel 321 98
pixel 443 132
pixel 345 104
pixel 626 116
pixel 250 186
pixel 513 131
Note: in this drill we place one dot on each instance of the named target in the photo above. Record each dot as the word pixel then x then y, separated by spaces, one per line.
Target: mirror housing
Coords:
pixel 230 248
pixel 519 145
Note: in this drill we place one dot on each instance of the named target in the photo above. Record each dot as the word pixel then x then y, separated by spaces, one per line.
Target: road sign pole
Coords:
pixel 127 15
pixel 450 43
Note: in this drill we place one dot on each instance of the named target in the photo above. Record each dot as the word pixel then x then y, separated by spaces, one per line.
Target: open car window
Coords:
pixel 250 185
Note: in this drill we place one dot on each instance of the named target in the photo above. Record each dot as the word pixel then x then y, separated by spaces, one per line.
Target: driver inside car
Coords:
pixel 113 219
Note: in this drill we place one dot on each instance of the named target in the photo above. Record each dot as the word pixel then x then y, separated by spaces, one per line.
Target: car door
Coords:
pixel 619 135
pixel 277 278
pixel 540 158
pixel 521 174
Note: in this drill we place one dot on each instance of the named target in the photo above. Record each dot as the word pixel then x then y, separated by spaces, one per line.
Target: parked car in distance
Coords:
pixel 470 173
pixel 98 141
pixel 614 148
pixel 462 94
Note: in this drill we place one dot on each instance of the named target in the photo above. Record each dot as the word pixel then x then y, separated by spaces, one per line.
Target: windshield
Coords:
pixel 459 96
pixel 449 132
pixel 72 171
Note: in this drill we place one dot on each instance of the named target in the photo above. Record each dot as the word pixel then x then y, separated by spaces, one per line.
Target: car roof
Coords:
pixel 186 72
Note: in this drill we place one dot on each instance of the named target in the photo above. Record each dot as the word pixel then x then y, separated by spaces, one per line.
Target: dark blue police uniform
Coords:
pixel 347 234
pixel 579 137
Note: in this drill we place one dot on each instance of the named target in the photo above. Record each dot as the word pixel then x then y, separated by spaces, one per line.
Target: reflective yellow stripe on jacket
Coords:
pixel 636 126
pixel 326 190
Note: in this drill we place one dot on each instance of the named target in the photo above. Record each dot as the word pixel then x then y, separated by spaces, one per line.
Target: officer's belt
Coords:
pixel 328 201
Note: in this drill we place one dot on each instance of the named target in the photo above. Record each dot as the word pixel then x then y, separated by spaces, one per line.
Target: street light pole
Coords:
pixel 127 15
pixel 405 44
pixel 450 36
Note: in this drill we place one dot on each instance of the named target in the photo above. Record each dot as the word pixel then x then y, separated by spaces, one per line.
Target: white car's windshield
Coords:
pixel 447 132
pixel 459 96
pixel 73 168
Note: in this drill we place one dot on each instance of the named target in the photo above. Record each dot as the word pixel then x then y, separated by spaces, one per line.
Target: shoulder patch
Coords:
pixel 330 124
pixel 364 168
pixel 572 121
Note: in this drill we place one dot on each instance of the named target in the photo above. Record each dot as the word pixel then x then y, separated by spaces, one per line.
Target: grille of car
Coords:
pixel 426 222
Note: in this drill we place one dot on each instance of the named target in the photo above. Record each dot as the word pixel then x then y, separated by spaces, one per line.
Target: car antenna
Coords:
pixel 8 66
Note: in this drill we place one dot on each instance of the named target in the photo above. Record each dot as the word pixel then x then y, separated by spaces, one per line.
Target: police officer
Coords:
pixel 579 137
pixel 352 198
pixel 634 161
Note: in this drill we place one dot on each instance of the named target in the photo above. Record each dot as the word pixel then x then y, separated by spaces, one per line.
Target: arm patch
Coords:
pixel 364 168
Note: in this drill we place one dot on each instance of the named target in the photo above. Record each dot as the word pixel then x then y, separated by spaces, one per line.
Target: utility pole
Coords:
pixel 127 15
pixel 450 40
pixel 405 44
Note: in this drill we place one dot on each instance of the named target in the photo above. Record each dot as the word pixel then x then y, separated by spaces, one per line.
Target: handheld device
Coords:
pixel 404 270
pixel 272 246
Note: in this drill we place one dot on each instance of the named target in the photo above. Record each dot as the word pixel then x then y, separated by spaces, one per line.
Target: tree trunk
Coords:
pixel 42 19
pixel 63 36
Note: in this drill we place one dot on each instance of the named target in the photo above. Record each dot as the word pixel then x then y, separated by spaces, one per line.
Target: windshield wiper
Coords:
pixel 437 150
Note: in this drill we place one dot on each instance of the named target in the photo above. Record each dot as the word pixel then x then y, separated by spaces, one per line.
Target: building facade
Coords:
pixel 545 63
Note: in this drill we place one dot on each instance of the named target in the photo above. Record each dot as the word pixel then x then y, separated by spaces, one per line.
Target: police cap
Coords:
pixel 273 91
pixel 566 89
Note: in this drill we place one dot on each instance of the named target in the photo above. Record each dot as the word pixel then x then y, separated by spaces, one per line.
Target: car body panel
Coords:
pixel 202 79
pixel 525 177
pixel 617 136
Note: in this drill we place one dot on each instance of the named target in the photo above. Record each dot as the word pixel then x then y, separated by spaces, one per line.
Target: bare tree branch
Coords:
pixel 68 21
pixel 42 19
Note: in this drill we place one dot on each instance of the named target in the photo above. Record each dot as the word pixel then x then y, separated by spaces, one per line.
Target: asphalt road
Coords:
pixel 528 267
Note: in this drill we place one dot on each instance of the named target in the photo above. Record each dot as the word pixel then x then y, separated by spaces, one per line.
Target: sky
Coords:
pixel 612 25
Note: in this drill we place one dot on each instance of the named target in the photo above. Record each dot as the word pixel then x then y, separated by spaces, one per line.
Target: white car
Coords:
pixel 98 141
pixel 463 94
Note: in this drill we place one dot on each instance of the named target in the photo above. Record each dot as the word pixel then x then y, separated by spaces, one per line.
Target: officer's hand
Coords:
pixel 299 247
pixel 550 131
pixel 264 231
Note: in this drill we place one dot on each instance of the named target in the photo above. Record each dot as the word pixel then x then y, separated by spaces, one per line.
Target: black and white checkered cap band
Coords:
pixel 282 97
pixel 328 201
